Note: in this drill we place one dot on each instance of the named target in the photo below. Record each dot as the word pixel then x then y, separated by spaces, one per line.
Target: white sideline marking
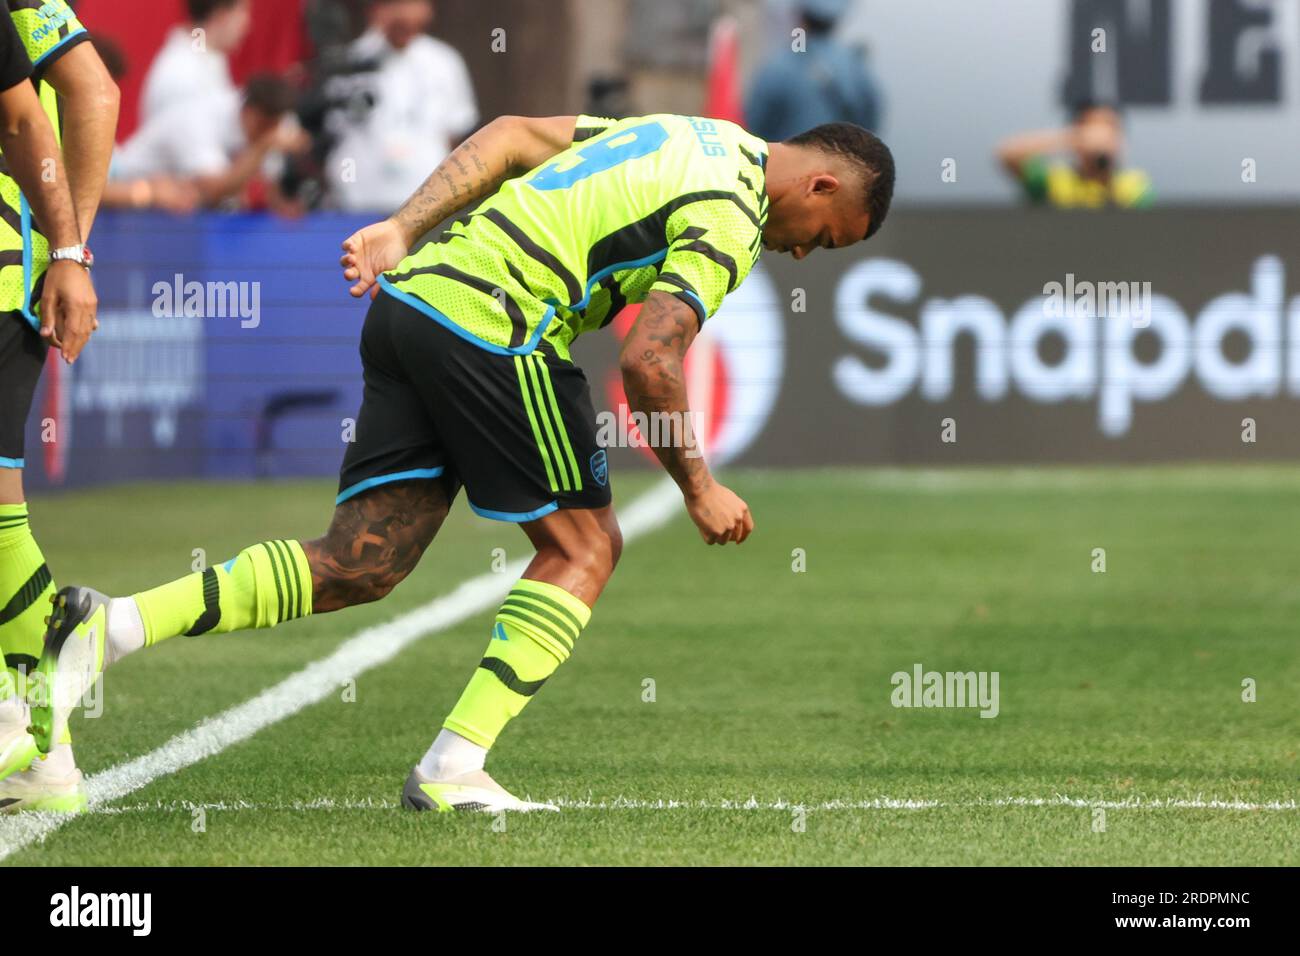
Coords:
pixel 365 650
pixel 627 803
pixel 891 803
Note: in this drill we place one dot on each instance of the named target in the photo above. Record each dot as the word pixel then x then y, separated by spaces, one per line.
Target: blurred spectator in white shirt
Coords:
pixel 219 150
pixel 403 104
pixel 153 192
pixel 192 64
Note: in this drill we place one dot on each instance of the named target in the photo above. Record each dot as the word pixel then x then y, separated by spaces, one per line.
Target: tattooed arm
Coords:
pixel 506 147
pixel 651 361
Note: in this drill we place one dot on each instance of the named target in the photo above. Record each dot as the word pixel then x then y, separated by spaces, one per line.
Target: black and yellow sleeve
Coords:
pixel 15 67
pixel 48 29
pixel 712 245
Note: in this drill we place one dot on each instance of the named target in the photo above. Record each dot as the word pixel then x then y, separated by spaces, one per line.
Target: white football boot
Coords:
pixel 17 746
pixel 73 659
pixel 51 783
pixel 470 791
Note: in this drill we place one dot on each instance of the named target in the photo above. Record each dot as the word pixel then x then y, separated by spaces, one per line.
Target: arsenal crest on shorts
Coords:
pixel 600 467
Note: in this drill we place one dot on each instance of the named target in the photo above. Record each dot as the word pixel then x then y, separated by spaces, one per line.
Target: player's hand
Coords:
pixel 720 514
pixel 370 253
pixel 68 308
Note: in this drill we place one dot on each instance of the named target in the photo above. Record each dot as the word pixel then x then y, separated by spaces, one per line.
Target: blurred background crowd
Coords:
pixel 288 105
pixel 296 105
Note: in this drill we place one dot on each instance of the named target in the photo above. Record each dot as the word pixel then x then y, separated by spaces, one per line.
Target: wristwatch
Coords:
pixel 81 255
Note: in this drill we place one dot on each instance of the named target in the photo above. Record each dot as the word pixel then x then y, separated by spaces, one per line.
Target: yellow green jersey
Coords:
pixel 1060 185
pixel 48 29
pixel 661 202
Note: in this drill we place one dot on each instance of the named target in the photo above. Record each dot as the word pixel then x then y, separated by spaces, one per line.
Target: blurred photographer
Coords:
pixel 393 108
pixel 1093 178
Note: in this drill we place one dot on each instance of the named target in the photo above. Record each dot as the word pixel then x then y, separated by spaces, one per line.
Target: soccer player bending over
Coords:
pixel 468 382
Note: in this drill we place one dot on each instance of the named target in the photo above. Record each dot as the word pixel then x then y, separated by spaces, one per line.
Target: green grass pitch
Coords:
pixel 1119 690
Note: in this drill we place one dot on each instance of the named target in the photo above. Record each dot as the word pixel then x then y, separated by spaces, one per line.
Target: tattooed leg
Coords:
pixel 374 541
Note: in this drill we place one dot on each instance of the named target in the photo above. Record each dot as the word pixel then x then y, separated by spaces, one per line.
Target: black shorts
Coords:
pixel 22 356
pixel 518 431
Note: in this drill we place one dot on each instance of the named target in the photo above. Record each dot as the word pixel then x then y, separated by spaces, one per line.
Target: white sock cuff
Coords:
pixel 450 756
pixel 125 630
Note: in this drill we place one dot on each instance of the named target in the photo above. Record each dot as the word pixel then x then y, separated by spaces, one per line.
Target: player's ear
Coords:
pixel 824 184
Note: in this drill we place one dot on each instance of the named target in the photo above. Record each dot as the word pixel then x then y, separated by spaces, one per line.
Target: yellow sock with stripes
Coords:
pixel 262 586
pixel 25 589
pixel 532 635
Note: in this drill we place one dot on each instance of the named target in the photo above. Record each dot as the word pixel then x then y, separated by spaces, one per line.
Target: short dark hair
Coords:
pixel 200 10
pixel 863 149
pixel 1081 106
pixel 270 94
